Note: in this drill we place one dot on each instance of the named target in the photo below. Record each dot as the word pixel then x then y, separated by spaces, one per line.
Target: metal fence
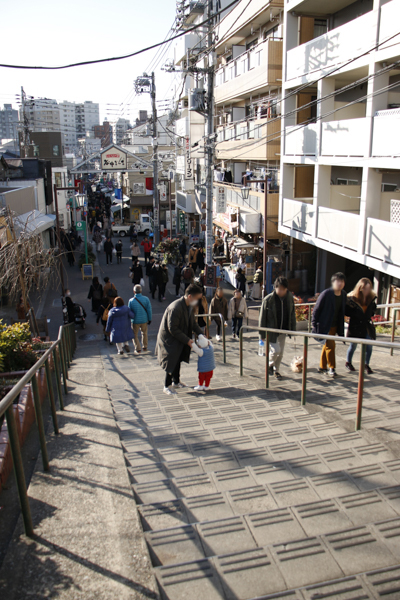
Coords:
pixel 61 351
pixel 306 336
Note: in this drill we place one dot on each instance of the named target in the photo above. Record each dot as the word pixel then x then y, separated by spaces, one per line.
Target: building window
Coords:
pixel 56 150
pixel 58 180
pixel 36 151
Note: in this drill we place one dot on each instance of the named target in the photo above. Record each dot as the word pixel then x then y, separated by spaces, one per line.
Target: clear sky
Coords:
pixel 55 32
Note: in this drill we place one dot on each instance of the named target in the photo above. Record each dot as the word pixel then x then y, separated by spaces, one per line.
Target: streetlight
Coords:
pixel 245 192
pixel 81 202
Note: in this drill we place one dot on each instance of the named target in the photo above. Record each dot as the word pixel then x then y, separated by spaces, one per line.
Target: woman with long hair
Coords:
pixel 360 307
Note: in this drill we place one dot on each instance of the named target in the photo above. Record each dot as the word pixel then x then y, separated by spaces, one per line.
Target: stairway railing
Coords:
pixel 364 343
pixel 61 351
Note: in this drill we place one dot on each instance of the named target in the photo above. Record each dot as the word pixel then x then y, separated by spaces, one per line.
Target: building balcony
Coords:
pixel 338 227
pixel 333 48
pixel 239 22
pixel 385 140
pixel 382 241
pixel 254 71
pixel 301 140
pixel 185 43
pixel 349 137
pixel 298 215
pixel 250 140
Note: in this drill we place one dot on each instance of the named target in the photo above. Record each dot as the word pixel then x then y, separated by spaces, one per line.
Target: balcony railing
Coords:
pixel 338 227
pixel 254 69
pixel 301 141
pixel 298 215
pixel 333 48
pixel 382 241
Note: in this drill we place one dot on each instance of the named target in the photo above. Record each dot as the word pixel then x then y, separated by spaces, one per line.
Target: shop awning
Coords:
pixel 141 201
pixel 245 244
pixel 33 223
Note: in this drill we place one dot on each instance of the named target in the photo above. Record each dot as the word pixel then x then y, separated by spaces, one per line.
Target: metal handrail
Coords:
pixel 61 351
pixel 208 315
pixel 362 341
pixel 395 306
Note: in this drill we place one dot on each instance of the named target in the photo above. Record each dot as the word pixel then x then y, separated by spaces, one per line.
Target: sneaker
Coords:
pixel 199 388
pixel 349 367
pixel 368 369
pixel 322 371
pixel 179 385
pixel 271 370
pixel 120 352
pixel 205 388
pixel 332 373
pixel 278 375
pixel 218 338
pixel 138 351
pixel 169 392
pixel 234 336
pixel 127 348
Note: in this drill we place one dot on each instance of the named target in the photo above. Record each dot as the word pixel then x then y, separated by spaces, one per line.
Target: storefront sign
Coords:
pixel 156 216
pixel 188 160
pixel 221 200
pixel 113 159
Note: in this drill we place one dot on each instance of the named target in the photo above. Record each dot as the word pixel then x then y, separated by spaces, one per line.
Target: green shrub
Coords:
pixel 16 350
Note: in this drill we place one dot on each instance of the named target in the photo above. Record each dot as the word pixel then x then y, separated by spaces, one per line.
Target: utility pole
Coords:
pixel 156 197
pixel 25 124
pixel 209 139
pixel 143 84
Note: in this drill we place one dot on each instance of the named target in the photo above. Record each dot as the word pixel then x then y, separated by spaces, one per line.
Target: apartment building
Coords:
pixel 8 123
pixel 340 165
pixel 248 83
pixel 119 130
pixel 67 124
pixel 104 133
pixel 87 116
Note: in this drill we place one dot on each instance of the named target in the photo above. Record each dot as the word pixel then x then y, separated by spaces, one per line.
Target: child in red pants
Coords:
pixel 205 364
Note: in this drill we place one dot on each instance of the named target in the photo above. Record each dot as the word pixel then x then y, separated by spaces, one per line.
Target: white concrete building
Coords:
pixel 9 123
pixel 67 124
pixel 340 164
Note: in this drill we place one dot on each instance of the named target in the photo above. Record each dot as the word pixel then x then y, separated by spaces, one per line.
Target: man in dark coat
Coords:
pixel 108 248
pixel 278 312
pixel 328 319
pixel 70 307
pixel 174 339
pixel 158 281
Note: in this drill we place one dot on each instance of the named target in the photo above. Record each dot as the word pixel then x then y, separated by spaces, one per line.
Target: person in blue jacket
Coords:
pixel 141 307
pixel 328 319
pixel 205 363
pixel 119 325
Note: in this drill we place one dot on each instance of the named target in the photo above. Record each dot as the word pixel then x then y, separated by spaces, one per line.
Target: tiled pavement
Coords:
pixel 245 494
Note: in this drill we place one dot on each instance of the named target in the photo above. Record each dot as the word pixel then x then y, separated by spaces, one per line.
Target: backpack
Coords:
pixel 187 273
pixel 105 314
pixel 112 292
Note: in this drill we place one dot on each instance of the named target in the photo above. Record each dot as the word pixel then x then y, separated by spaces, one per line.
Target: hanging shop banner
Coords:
pixel 188 160
pixel 113 159
pixel 220 200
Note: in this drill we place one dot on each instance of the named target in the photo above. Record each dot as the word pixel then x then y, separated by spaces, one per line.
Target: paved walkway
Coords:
pixel 241 492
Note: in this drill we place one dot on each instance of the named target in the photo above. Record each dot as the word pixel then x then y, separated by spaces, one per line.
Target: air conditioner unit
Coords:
pixel 389 187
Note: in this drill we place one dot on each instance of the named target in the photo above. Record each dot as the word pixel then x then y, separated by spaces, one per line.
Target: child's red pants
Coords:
pixel 205 378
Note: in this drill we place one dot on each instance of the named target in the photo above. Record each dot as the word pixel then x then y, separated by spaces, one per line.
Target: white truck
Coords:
pixel 143 225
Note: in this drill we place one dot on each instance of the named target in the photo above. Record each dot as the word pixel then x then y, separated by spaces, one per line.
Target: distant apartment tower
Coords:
pixel 8 123
pixel 104 133
pixel 67 123
pixel 43 114
pixel 142 117
pixel 340 165
pixel 87 116
pixel 119 129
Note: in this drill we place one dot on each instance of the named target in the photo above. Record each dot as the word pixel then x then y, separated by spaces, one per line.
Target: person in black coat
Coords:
pixel 328 319
pixel 136 273
pixel 177 280
pixel 174 340
pixel 118 248
pixel 108 248
pixel 95 294
pixel 200 259
pixel 361 307
pixel 241 281
pixel 70 307
pixel 158 281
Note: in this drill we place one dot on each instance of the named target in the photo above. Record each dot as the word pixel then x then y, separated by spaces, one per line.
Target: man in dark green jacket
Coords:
pixel 278 312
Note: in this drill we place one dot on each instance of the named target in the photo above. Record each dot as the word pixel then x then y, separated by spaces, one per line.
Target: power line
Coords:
pixel 114 58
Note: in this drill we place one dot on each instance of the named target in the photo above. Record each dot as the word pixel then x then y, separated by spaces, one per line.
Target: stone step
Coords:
pixel 267 574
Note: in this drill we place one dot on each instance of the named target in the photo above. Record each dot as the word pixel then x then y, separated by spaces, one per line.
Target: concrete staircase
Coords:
pixel 245 494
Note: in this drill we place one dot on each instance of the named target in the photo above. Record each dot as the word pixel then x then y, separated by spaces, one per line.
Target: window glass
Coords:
pixel 56 150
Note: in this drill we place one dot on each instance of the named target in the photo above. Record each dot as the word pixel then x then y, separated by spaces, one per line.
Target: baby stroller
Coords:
pixel 80 315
